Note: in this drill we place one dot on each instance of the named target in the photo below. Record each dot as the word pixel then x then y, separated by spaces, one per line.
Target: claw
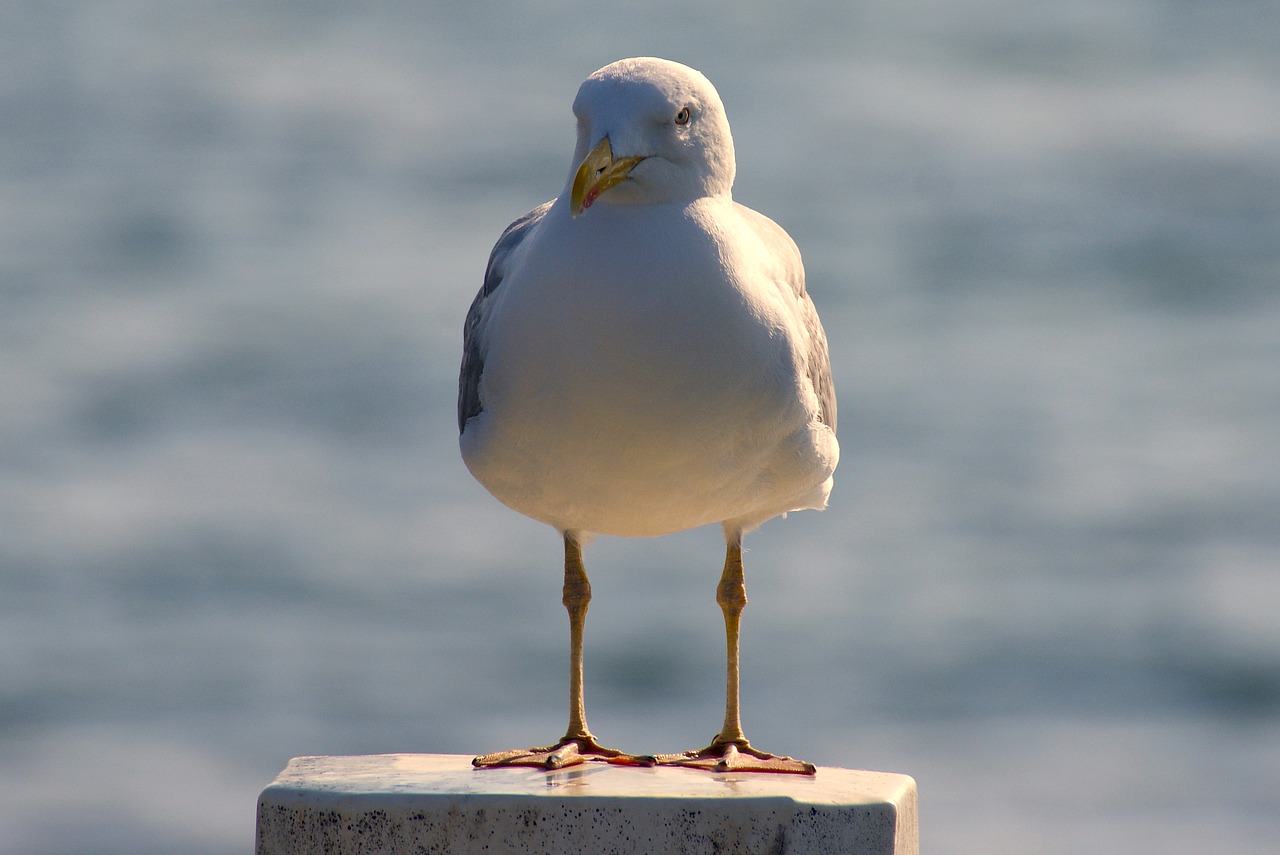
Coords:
pixel 736 756
pixel 565 753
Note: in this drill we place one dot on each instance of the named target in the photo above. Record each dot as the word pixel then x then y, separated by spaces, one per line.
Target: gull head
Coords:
pixel 650 131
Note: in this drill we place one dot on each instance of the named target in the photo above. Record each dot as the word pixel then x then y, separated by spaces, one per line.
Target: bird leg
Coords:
pixel 730 751
pixel 577 745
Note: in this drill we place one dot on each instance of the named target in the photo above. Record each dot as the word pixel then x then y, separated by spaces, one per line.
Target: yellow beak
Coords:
pixel 596 174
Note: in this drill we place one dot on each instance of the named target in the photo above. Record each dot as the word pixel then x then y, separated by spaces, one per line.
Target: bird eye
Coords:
pixel 682 118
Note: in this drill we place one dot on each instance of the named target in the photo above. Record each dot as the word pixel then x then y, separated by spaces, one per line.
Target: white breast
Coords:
pixel 641 378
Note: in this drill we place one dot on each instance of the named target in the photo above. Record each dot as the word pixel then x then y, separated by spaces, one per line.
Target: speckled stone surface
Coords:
pixel 426 803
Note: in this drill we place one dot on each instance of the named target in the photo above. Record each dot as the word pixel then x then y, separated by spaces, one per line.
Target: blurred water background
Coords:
pixel 237 241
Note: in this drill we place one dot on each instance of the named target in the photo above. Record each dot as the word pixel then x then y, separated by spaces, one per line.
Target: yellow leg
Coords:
pixel 577 596
pixel 731 594
pixel 577 745
pixel 730 751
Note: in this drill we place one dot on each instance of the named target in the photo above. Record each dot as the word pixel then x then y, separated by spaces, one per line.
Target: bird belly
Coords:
pixel 639 464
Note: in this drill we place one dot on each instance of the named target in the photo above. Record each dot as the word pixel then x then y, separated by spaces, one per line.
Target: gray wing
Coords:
pixel 472 347
pixel 816 357
pixel 819 363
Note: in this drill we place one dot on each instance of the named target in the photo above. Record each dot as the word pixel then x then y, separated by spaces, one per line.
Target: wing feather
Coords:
pixel 469 403
pixel 816 355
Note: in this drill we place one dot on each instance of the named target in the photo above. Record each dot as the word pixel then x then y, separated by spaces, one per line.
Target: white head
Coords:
pixel 649 131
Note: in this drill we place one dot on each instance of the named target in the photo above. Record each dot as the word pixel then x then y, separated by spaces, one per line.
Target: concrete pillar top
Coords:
pixel 437 802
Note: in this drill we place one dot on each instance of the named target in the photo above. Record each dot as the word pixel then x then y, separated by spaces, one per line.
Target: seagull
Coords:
pixel 643 359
